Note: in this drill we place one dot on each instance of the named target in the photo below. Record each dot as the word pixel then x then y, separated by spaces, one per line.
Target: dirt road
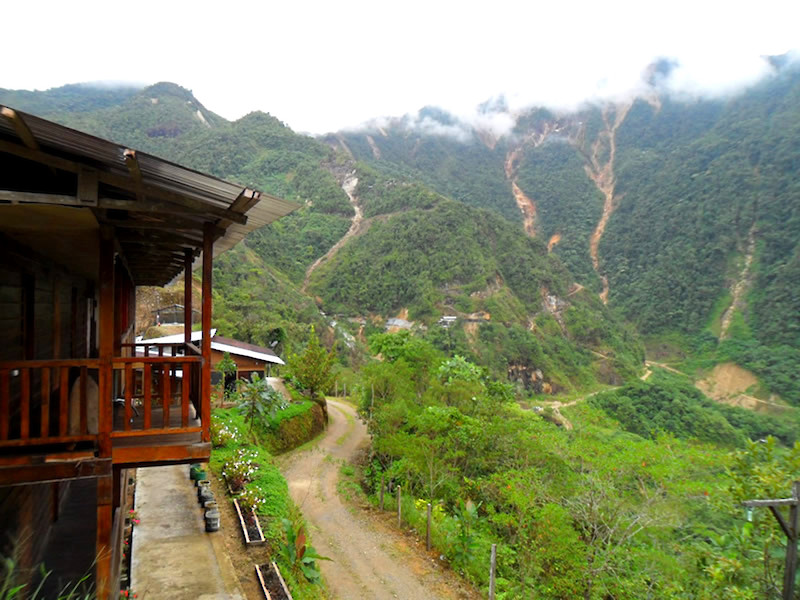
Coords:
pixel 370 561
pixel 349 187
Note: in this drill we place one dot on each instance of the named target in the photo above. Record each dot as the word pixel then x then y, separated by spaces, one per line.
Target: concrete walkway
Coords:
pixel 173 557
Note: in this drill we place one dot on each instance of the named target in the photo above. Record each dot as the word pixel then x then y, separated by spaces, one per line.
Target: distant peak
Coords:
pixel 166 88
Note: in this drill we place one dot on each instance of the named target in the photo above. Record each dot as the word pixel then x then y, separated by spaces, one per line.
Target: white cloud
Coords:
pixel 322 66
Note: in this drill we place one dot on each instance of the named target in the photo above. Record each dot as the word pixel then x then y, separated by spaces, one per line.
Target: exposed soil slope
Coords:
pixel 370 561
pixel 349 186
pixel 526 205
pixel 740 286
pixel 602 174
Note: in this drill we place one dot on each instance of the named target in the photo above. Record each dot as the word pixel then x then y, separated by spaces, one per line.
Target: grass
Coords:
pixel 271 486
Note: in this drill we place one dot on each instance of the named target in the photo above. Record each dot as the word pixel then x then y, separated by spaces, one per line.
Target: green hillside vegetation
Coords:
pixel 453 258
pixel 592 513
pixel 669 404
pixel 693 181
pixel 407 260
pixel 567 203
pixel 256 303
pixel 436 149
pixel 72 98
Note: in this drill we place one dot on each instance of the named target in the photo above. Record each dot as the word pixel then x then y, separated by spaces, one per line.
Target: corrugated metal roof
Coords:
pixel 159 174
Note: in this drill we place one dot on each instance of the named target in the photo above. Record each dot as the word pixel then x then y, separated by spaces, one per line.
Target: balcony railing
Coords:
pixel 46 401
pixel 155 391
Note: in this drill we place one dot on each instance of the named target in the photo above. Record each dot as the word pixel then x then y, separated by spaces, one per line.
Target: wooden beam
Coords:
pixel 104 550
pixel 136 173
pixel 188 257
pixel 142 456
pixel 205 376
pixel 88 187
pixel 106 338
pixel 41 472
pixel 20 126
pixel 771 503
pixel 15 197
pixel 125 182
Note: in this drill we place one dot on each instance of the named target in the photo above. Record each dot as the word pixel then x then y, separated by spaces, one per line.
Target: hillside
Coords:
pixel 678 213
pixel 415 250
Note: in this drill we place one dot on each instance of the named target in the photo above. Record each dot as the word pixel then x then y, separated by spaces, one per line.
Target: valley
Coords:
pixel 466 278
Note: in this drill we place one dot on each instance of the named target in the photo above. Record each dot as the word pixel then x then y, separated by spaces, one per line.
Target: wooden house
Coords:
pixel 249 358
pixel 83 221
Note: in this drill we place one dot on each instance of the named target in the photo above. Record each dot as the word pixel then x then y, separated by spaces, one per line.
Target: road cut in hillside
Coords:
pixel 370 560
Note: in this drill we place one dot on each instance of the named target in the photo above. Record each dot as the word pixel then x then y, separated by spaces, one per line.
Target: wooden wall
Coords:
pixel 44 309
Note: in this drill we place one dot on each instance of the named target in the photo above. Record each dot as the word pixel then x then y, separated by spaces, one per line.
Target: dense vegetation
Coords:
pixel 594 513
pixel 437 149
pixel 567 203
pixel 670 404
pixel 641 499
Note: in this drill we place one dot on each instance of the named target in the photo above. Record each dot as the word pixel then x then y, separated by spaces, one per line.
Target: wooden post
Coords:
pixel 492 566
pixel 106 347
pixel 187 295
pixel 103 577
pixel 791 531
pixel 790 570
pixel 205 377
pixel 428 531
pixel 345 391
pixel 399 509
pixel 382 488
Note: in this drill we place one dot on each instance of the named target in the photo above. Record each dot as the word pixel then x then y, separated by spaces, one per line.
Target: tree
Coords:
pixel 313 371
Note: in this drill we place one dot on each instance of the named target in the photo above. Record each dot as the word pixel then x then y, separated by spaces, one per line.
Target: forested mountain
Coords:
pixel 677 213
pixel 551 244
pixel 410 250
pixel 683 214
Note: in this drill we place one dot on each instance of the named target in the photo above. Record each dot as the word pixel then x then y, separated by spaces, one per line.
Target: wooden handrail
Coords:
pixel 120 361
pixel 89 363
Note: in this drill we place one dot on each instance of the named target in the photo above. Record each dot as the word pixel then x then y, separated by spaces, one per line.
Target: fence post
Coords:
pixel 428 532
pixel 336 389
pixel 399 509
pixel 492 566
pixel 382 488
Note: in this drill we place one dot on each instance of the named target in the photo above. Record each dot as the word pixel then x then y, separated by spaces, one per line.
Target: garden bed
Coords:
pixel 272 583
pixel 251 528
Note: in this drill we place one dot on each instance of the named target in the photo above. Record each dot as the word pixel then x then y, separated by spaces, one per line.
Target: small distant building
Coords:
pixel 395 324
pixel 249 358
pixel 447 320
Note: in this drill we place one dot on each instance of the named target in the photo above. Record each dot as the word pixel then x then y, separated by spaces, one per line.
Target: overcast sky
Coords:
pixel 323 66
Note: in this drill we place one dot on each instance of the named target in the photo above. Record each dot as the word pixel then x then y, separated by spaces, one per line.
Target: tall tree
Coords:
pixel 313 371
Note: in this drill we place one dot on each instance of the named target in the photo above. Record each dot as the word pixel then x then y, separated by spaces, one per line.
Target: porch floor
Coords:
pixel 172 555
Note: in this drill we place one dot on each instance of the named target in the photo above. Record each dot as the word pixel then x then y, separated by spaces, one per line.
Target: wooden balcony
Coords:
pixel 156 413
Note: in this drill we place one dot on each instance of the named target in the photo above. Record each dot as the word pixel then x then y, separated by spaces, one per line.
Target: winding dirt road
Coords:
pixel 370 560
pixel 349 187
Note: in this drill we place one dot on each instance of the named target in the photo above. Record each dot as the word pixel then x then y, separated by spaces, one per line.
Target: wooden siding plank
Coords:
pixel 45 424
pixel 185 384
pixel 147 387
pixel 25 403
pixel 5 409
pixel 128 396
pixel 166 393
pixel 63 401
pixel 83 401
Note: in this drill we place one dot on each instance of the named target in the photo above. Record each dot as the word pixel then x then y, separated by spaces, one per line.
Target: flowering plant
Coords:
pixel 240 469
pixel 220 434
pixel 133 516
pixel 250 500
